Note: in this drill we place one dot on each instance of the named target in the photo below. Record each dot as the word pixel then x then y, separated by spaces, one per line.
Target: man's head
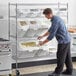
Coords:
pixel 48 13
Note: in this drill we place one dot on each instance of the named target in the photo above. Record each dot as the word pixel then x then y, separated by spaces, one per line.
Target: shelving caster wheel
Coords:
pixel 10 74
pixel 17 73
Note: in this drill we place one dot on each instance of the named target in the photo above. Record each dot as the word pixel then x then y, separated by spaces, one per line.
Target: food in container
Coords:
pixel 23 23
pixel 29 44
pixel 72 30
pixel 33 22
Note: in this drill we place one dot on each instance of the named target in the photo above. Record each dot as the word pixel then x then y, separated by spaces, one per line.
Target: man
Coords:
pixel 59 30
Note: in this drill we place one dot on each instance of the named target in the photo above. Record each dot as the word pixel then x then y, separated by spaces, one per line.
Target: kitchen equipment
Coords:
pixel 5 57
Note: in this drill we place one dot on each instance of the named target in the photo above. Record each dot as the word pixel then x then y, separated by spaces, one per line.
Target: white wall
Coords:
pixel 72 12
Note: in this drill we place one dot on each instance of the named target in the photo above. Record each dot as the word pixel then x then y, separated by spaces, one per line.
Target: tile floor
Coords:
pixel 37 69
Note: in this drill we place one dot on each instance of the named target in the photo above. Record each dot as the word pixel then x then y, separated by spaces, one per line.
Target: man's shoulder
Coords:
pixel 56 19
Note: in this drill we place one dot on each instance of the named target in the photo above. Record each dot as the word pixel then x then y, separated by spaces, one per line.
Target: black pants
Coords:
pixel 63 56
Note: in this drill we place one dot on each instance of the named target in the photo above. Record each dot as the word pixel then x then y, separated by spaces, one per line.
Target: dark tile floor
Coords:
pixel 46 74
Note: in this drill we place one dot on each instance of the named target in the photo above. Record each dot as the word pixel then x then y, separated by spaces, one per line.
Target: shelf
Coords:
pixel 35 54
pixel 74 44
pixel 5 53
pixel 30 34
pixel 24 17
pixel 73 34
pixel 36 4
pixel 12 16
pixel 63 9
pixel 63 15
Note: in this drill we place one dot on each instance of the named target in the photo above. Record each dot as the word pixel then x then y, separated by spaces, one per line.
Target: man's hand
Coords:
pixel 46 34
pixel 40 37
pixel 43 42
pixel 40 43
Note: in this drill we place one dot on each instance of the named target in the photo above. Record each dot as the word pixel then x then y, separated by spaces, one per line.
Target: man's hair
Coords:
pixel 47 11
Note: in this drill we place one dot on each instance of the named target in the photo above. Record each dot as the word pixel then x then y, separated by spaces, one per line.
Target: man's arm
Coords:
pixel 52 32
pixel 43 42
pixel 46 34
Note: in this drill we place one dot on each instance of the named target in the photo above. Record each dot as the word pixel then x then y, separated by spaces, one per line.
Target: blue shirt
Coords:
pixel 59 30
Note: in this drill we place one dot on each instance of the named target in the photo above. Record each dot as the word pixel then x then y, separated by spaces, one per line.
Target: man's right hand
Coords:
pixel 40 37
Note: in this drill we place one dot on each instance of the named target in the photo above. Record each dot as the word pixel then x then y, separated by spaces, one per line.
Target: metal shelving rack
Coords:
pixel 58 9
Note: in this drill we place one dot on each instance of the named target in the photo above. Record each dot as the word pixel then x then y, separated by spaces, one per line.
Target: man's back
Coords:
pixel 59 30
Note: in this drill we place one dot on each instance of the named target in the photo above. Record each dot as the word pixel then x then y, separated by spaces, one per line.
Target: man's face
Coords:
pixel 48 16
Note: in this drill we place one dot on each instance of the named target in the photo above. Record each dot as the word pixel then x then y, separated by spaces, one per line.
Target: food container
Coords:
pixel 33 45
pixel 23 25
pixel 28 45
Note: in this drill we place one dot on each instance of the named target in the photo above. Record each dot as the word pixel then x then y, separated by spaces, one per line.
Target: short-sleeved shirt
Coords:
pixel 59 30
